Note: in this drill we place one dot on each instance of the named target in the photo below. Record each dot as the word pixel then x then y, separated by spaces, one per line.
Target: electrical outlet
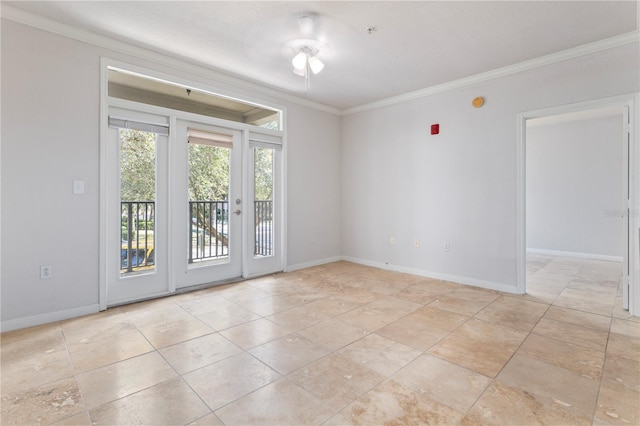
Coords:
pixel 392 241
pixel 45 272
pixel 313 239
pixel 416 243
pixel 446 247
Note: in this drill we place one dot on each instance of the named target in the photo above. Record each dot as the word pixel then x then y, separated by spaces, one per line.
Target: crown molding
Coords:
pixel 576 52
pixel 26 18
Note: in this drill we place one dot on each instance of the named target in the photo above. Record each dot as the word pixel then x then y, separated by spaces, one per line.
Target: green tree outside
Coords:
pixel 263 180
pixel 137 165
pixel 208 175
pixel 208 170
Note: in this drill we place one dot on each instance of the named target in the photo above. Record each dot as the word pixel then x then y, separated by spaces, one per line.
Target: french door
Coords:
pixel 263 252
pixel 137 218
pixel 190 202
pixel 208 186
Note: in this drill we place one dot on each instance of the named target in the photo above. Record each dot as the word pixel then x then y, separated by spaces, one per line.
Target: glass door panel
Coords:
pixel 136 189
pixel 207 215
pixel 263 201
pixel 208 202
pixel 137 200
pixel 264 238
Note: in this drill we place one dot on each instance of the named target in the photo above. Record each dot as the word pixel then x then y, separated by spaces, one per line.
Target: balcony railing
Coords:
pixel 208 232
pixel 137 221
pixel 264 228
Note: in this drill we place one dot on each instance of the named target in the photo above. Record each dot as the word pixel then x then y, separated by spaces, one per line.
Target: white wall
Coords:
pixel 50 115
pixel 575 187
pixel 460 186
pixel 50 136
pixel 314 188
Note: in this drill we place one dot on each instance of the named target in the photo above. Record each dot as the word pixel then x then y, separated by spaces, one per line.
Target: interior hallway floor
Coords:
pixel 340 344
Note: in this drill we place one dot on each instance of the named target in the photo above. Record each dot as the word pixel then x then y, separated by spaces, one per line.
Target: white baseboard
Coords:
pixel 490 285
pixel 40 319
pixel 299 266
pixel 592 256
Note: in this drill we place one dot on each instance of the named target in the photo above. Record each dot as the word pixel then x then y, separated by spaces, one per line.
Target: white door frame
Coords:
pixel 122 289
pixel 253 265
pixel 629 101
pixel 105 189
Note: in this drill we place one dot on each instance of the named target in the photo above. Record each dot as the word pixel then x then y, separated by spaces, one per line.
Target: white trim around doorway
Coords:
pixel 631 102
pixel 106 102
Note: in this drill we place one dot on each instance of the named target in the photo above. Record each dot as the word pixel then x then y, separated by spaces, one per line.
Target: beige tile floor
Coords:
pixel 340 344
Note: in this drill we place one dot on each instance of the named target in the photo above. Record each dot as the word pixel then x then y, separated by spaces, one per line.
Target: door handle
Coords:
pixel 237 212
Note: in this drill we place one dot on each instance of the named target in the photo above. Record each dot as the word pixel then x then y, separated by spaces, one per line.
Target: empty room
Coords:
pixel 320 213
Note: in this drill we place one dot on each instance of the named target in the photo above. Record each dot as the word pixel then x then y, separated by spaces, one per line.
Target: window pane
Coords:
pixel 208 202
pixel 137 200
pixel 263 196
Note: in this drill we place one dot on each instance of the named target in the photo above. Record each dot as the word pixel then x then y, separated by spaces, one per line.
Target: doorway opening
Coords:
pixel 575 190
pixel 575 240
pixel 193 192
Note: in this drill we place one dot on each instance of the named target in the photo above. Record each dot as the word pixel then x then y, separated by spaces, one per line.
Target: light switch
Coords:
pixel 78 187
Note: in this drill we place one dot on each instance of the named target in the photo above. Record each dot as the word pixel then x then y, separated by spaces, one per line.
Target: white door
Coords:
pixel 264 219
pixel 207 205
pixel 137 206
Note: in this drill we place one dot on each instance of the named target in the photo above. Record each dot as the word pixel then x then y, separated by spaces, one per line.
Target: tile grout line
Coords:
pixel 75 374
pixel 595 408
pixel 602 370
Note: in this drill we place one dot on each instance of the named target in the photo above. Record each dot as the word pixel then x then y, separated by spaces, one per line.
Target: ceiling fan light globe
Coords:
pixel 315 64
pixel 299 61
pixel 301 72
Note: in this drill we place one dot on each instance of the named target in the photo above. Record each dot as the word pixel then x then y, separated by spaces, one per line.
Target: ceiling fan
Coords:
pixel 306 61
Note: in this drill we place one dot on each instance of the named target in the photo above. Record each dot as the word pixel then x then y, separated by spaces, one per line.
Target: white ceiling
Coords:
pixel 417 44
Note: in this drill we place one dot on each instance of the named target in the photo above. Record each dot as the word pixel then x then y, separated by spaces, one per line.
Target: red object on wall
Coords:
pixel 435 129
